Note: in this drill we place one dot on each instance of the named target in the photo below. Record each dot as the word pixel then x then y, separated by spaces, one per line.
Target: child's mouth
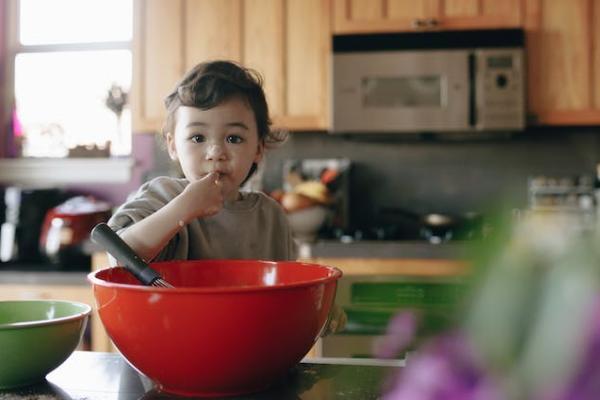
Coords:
pixel 219 176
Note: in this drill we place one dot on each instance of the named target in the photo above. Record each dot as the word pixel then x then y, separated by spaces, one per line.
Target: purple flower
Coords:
pixel 445 369
pixel 400 333
pixel 585 384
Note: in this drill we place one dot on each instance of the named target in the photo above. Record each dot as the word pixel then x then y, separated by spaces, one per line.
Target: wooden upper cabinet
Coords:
pixel 286 41
pixel 372 16
pixel 158 60
pixel 212 30
pixel 308 63
pixel 263 47
pixel 563 45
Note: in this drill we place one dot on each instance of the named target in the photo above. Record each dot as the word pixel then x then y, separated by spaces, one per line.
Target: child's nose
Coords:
pixel 215 152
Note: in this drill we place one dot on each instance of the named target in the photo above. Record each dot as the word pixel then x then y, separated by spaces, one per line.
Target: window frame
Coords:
pixel 5 100
pixel 13 47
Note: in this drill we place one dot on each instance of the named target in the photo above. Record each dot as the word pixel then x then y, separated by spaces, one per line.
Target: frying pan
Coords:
pixel 438 227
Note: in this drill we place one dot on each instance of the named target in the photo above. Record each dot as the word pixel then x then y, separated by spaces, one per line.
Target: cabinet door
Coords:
pixel 288 42
pixel 362 16
pixel 481 14
pixel 307 59
pixel 212 31
pixel 563 40
pixel 158 60
pixel 263 47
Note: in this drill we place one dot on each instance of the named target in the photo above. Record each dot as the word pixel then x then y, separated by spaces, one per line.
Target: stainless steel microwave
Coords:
pixel 454 81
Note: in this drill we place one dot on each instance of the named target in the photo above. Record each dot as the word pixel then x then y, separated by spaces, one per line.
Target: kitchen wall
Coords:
pixel 148 157
pixel 415 173
pixel 428 174
pixel 423 174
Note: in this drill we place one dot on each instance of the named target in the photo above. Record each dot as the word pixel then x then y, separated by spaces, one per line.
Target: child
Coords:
pixel 217 129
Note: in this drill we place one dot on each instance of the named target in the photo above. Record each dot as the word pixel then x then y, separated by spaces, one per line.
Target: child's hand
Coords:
pixel 337 320
pixel 205 196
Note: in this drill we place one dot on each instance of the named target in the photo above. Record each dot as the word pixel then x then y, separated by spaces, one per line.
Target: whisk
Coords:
pixel 112 243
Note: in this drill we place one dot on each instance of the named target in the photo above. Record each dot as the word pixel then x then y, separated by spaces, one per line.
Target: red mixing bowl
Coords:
pixel 229 327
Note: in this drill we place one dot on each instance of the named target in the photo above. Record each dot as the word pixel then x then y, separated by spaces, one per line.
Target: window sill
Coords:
pixel 64 171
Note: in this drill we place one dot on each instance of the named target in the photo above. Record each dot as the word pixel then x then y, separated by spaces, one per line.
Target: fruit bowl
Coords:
pixel 36 336
pixel 229 327
pixel 307 222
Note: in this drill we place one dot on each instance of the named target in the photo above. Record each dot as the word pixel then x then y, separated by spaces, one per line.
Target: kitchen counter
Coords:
pixel 29 277
pixel 93 375
pixel 417 255
pixel 383 258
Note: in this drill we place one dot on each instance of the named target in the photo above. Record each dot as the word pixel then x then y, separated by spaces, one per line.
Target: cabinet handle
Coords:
pixel 432 23
pixel 419 23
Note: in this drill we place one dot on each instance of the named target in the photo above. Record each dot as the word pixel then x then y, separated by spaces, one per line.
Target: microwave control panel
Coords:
pixel 500 88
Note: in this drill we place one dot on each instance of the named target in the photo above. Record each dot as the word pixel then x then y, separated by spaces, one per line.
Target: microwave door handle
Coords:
pixel 472 63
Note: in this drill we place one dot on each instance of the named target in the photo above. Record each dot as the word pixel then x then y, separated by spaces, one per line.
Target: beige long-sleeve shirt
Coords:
pixel 254 227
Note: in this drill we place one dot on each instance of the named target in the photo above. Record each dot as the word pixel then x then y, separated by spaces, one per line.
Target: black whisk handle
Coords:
pixel 112 243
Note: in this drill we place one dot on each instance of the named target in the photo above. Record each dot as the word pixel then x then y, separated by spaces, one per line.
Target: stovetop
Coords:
pixel 398 233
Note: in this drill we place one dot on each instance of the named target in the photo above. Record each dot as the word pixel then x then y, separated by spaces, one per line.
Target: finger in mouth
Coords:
pixel 218 178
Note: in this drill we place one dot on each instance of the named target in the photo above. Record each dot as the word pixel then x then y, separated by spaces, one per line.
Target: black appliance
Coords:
pixel 24 212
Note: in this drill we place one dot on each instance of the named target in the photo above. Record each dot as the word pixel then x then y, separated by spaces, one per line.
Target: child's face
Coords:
pixel 223 139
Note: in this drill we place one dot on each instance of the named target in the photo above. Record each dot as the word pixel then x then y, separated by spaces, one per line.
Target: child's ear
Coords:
pixel 260 151
pixel 171 146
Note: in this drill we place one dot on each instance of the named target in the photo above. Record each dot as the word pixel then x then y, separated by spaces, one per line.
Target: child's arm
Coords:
pixel 199 199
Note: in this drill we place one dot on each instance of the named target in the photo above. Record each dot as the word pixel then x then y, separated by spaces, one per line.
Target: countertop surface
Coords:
pixel 29 277
pixel 364 249
pixel 92 375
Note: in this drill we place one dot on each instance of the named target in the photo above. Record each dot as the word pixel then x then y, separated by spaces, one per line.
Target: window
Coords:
pixel 72 73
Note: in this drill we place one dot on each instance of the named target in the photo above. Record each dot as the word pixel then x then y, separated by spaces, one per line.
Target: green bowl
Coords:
pixel 36 336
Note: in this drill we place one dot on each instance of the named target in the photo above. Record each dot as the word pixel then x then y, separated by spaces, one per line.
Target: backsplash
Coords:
pixel 443 175
pixel 422 175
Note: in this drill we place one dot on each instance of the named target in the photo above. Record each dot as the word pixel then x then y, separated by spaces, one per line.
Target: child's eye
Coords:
pixel 235 139
pixel 197 138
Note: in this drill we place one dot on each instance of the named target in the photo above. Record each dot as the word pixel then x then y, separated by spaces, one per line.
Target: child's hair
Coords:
pixel 211 83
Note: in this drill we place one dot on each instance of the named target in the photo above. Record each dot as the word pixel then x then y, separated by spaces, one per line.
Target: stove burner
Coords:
pixel 383 232
pixel 399 232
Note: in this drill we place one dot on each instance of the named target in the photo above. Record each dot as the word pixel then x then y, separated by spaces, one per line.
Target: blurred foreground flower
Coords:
pixel 445 368
pixel 400 334
pixel 531 327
